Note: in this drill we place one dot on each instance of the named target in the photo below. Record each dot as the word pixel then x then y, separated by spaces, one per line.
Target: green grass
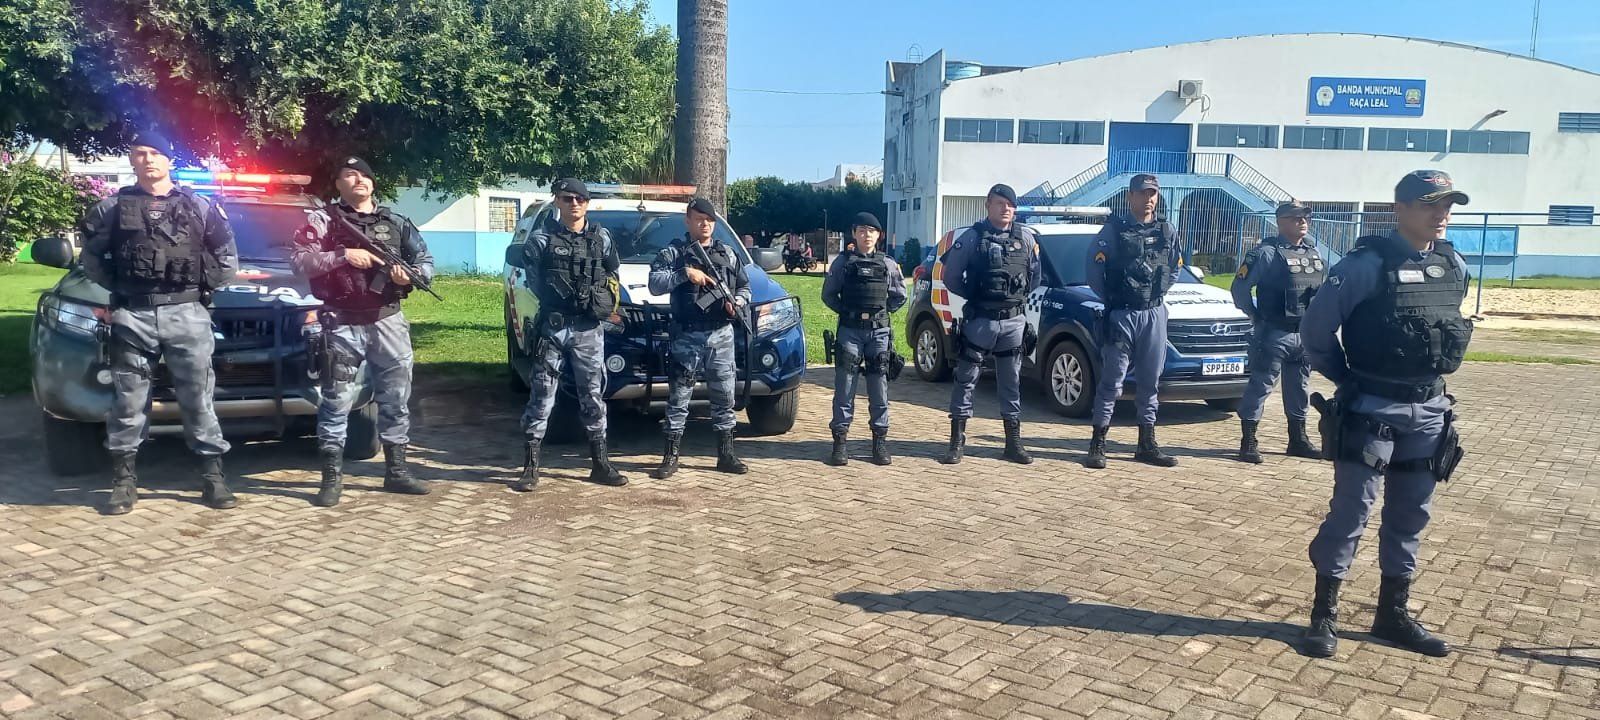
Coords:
pixel 819 318
pixel 20 285
pixel 1543 335
pixel 464 337
pixel 1476 356
pixel 1222 281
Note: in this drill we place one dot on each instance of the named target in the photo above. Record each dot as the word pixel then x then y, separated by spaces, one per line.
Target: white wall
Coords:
pixel 1264 80
pixel 917 144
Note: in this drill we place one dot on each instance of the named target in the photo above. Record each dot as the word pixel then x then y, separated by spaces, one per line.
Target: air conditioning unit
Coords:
pixel 1191 89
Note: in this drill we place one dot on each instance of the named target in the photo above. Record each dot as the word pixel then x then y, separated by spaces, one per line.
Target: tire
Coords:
pixel 361 439
pixel 773 414
pixel 929 352
pixel 1224 404
pixel 1068 378
pixel 74 448
pixel 518 383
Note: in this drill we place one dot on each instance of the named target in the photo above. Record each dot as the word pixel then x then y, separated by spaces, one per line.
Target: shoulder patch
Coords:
pixel 1100 257
pixel 1244 270
pixel 1336 280
pixel 956 245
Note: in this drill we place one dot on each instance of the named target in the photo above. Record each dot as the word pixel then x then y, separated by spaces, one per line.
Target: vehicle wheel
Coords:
pixel 74 448
pixel 928 352
pixel 1070 379
pixel 1224 404
pixel 773 414
pixel 361 439
pixel 565 426
pixel 519 384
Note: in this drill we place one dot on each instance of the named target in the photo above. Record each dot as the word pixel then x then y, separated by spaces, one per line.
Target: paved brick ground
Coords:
pixel 801 591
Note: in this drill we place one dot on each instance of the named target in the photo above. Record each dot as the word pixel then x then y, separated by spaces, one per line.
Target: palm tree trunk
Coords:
pixel 701 125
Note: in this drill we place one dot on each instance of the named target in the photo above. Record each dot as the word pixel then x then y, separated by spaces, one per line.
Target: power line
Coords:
pixel 800 92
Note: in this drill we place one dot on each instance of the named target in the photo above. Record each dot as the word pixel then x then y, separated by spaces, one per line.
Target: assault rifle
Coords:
pixel 353 237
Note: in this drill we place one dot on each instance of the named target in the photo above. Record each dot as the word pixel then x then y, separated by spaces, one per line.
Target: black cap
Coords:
pixel 1005 191
pixel 1428 186
pixel 868 220
pixel 152 140
pixel 352 162
pixel 702 205
pixel 1144 181
pixel 571 185
pixel 1293 208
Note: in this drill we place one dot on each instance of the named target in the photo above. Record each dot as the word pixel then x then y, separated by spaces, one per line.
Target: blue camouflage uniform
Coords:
pixel 566 337
pixel 865 340
pixel 1133 335
pixel 702 343
pixel 974 251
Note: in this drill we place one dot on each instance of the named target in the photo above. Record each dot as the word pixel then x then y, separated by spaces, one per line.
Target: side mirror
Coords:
pixel 768 259
pixel 55 252
pixel 514 256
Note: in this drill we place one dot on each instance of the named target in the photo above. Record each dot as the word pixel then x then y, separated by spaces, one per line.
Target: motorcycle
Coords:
pixel 802 259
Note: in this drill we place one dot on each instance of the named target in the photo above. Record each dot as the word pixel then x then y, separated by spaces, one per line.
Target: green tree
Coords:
pixel 39 201
pixel 451 94
pixel 770 205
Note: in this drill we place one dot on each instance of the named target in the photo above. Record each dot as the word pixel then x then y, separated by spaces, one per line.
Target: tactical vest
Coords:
pixel 574 280
pixel 158 244
pixel 1285 289
pixel 866 289
pixel 347 287
pixel 1412 329
pixel 1003 261
pixel 1138 275
pixel 688 298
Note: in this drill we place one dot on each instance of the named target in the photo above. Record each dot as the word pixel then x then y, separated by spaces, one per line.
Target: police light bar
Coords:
pixel 1064 210
pixel 236 178
pixel 641 191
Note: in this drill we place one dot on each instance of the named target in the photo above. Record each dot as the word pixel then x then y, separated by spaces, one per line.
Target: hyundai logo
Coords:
pixel 1220 328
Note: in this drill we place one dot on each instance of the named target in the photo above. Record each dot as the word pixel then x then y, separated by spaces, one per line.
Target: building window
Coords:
pixel 1571 214
pixel 1407 140
pixel 1323 138
pixel 902 204
pixel 503 213
pixel 916 203
pixel 1489 142
pixel 1258 136
pixel 1063 132
pixel 1584 122
pixel 978 130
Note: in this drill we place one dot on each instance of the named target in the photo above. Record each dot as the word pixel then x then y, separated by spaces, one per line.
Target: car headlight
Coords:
pixel 777 316
pixel 74 318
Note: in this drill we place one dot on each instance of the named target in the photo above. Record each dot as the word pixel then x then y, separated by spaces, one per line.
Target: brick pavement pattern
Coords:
pixel 983 590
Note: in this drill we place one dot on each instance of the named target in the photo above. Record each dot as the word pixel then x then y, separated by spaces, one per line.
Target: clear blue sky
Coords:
pixel 840 46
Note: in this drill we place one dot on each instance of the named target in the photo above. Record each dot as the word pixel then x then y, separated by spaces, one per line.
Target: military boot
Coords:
pixel 958 442
pixel 1097 449
pixel 1394 623
pixel 1300 443
pixel 396 476
pixel 880 446
pixel 669 456
pixel 601 472
pixel 332 476
pixel 124 483
pixel 1015 452
pixel 1249 449
pixel 530 467
pixel 214 490
pixel 1322 638
pixel 840 455
pixel 1149 452
pixel 726 461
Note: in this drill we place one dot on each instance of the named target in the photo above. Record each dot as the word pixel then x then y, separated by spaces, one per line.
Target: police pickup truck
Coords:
pixel 262 321
pixel 1207 337
pixel 642 220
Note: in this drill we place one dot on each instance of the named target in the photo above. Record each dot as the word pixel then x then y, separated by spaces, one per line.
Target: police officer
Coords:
pixel 864 286
pixel 1395 304
pixel 994 265
pixel 1131 265
pixel 1285 271
pixel 699 272
pixel 572 268
pixel 160 249
pixel 362 321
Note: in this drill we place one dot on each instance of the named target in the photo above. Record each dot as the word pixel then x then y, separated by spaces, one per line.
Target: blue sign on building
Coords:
pixel 1366 96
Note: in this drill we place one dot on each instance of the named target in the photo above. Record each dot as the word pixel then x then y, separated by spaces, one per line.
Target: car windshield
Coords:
pixel 264 232
pixel 1066 255
pixel 639 236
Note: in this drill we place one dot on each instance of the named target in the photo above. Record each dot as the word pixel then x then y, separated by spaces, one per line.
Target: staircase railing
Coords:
pixel 1225 165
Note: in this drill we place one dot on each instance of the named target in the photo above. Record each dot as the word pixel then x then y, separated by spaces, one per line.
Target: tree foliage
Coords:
pixel 768 205
pixel 451 94
pixel 39 201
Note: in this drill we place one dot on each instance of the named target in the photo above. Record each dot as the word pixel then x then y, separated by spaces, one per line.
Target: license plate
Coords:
pixel 1222 366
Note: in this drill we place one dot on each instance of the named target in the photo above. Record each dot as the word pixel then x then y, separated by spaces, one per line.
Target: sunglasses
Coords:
pixel 574 199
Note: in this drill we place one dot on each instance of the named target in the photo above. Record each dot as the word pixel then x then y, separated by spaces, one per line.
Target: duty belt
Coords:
pixel 1002 314
pixel 868 320
pixel 154 299
pixel 1401 392
pixel 363 316
pixel 702 325
pixel 1147 305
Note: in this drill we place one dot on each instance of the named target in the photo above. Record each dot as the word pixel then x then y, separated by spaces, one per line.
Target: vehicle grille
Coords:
pixel 229 376
pixel 241 330
pixel 1209 337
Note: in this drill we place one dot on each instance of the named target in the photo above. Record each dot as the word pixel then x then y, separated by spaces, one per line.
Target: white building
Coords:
pixel 1233 126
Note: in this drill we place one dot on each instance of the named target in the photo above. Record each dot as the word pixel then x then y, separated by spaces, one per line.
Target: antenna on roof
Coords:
pixel 914 53
pixel 1533 44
